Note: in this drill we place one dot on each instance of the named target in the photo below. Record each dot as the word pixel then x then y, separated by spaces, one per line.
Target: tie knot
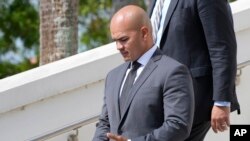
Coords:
pixel 135 65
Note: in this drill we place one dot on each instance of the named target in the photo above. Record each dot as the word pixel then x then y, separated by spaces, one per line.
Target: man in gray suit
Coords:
pixel 159 106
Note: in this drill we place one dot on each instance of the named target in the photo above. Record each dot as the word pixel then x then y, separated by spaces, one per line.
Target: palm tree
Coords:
pixel 58 29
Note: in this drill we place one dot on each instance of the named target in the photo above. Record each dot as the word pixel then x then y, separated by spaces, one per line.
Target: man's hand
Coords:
pixel 220 120
pixel 114 137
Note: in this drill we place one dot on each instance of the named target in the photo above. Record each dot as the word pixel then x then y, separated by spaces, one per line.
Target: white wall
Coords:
pixel 54 95
pixel 241 16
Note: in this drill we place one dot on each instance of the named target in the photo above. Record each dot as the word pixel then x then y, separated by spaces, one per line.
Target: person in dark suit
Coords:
pixel 159 106
pixel 200 35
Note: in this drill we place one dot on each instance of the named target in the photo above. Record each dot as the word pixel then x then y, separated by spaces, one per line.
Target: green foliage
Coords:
pixel 19 20
pixel 117 4
pixel 8 69
pixel 94 18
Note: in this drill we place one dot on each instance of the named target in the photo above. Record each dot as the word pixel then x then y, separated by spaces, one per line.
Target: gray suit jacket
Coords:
pixel 160 106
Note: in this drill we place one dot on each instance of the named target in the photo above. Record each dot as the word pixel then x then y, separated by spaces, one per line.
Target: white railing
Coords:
pixel 72 126
pixel 47 97
pixel 239 70
pixel 243 65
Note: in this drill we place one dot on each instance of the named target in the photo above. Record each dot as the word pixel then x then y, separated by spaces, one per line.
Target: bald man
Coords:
pixel 159 104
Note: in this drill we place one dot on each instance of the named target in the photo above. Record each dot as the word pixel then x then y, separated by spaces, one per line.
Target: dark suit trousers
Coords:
pixel 199 131
pixel 203 106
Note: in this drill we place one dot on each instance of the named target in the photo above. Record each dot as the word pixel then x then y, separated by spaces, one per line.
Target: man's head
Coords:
pixel 131 29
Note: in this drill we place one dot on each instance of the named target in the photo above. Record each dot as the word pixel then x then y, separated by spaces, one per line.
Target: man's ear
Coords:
pixel 144 31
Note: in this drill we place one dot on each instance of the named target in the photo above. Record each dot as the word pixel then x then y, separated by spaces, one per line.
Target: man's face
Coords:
pixel 128 41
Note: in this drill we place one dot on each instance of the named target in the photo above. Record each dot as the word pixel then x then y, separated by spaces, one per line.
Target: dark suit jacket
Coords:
pixel 200 34
pixel 160 106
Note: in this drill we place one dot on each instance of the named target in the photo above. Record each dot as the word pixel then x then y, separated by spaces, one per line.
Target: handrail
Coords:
pixel 243 64
pixel 64 129
pixel 239 70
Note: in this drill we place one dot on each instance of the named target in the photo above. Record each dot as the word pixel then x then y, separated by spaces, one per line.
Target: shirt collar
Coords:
pixel 143 60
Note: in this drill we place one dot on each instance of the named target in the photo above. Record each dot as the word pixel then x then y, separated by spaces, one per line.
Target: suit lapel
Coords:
pixel 117 87
pixel 151 65
pixel 171 9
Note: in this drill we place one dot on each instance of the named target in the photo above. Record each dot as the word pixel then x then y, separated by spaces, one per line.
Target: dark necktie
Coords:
pixel 128 85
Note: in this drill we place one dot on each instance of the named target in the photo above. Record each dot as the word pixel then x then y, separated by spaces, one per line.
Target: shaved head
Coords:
pixel 133 16
pixel 131 29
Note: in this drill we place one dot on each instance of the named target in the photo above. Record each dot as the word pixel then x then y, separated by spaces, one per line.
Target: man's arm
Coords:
pixel 217 22
pixel 103 126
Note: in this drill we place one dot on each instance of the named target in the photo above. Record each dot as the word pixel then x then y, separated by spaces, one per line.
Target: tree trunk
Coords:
pixel 58 29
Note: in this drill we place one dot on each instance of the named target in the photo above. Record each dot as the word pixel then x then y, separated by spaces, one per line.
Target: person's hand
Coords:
pixel 114 137
pixel 220 120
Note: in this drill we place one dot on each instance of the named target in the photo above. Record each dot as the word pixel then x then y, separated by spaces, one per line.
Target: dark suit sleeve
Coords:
pixel 178 100
pixel 217 22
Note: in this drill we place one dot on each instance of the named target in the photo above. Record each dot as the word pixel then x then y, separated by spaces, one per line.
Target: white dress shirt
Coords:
pixel 143 60
pixel 163 16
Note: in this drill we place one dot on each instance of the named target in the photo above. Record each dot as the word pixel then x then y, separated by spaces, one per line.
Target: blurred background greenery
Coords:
pixel 19 30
